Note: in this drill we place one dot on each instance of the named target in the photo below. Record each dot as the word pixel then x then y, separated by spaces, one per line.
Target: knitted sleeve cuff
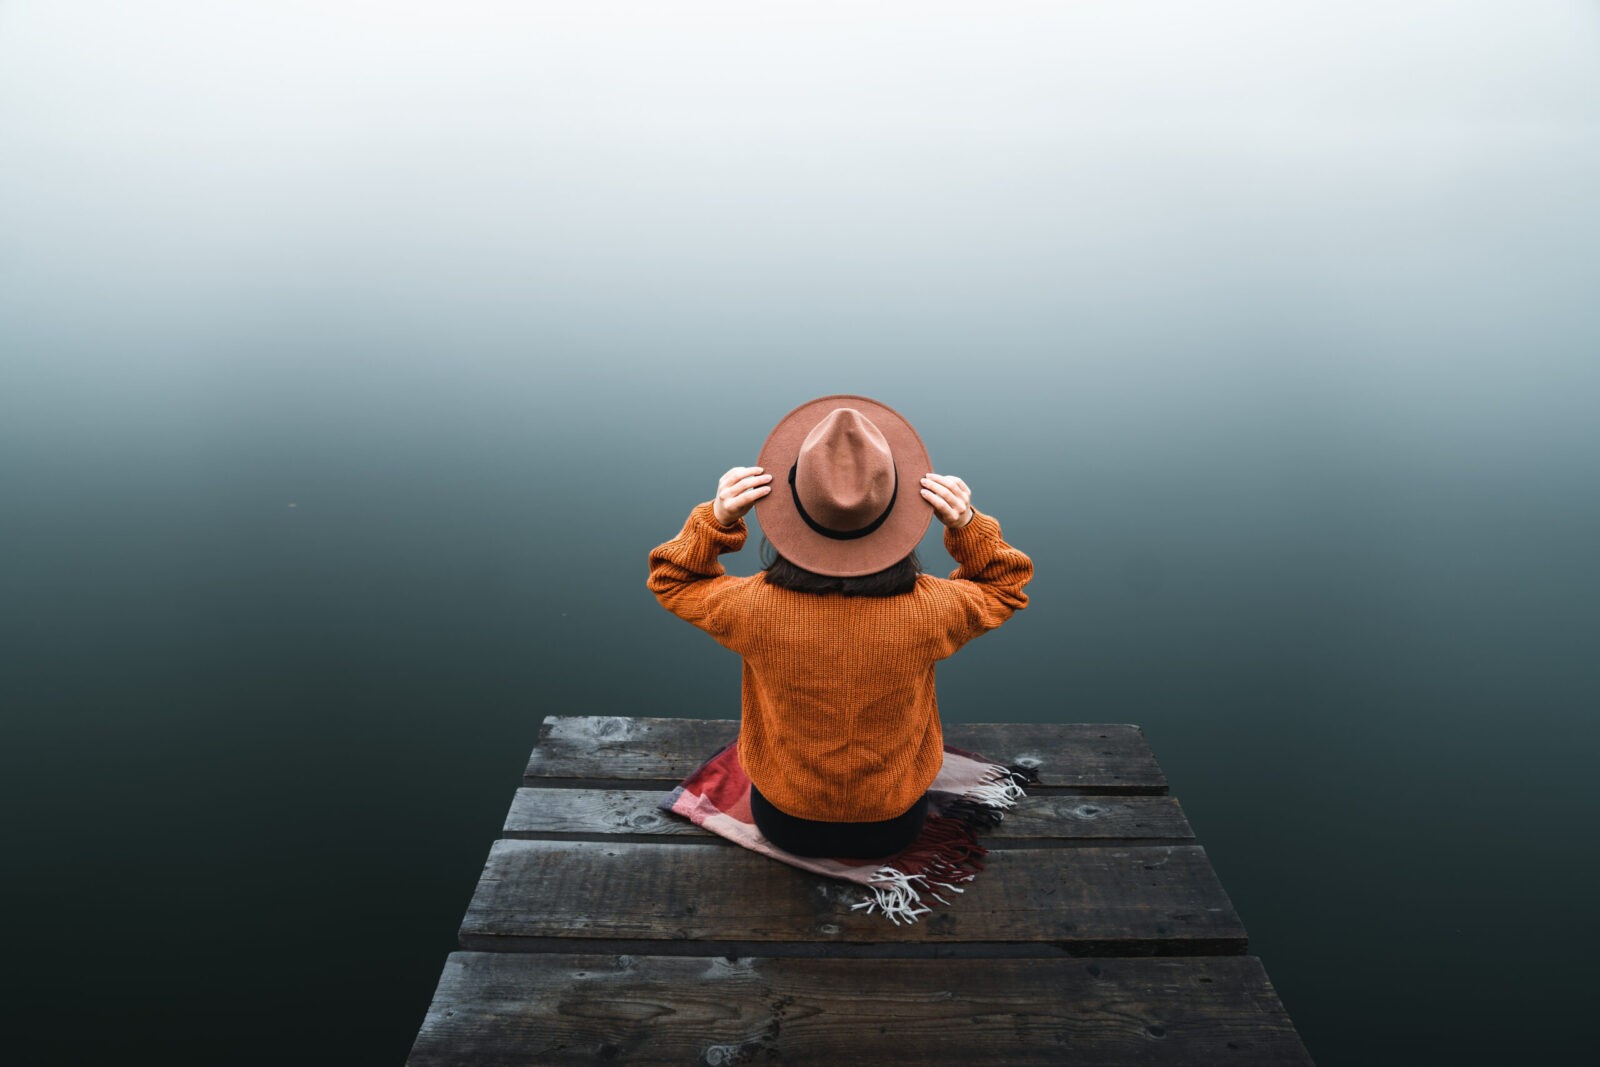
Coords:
pixel 982 528
pixel 727 538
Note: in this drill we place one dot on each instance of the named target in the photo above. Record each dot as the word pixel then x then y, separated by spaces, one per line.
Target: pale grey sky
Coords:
pixel 1395 194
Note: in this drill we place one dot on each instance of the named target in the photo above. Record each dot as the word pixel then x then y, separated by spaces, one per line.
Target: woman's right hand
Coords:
pixel 737 493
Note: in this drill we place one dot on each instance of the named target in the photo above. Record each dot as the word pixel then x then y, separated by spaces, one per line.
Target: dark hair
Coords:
pixel 891 581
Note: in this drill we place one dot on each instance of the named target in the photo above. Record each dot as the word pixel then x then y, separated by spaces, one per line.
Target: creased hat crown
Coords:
pixel 844 474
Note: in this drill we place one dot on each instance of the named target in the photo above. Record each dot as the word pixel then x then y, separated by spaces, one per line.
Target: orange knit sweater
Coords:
pixel 840 721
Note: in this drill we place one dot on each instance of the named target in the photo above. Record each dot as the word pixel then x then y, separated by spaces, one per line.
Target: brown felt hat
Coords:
pixel 846 494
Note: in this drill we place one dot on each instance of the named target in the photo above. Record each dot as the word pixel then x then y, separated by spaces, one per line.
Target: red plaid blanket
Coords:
pixel 968 796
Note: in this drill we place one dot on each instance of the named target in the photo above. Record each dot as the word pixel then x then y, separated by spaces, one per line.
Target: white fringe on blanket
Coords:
pixel 1001 791
pixel 898 896
pixel 896 899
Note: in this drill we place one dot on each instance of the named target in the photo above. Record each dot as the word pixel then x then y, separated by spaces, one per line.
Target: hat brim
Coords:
pixel 796 541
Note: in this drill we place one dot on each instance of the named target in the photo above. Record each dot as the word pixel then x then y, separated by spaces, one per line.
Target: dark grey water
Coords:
pixel 354 359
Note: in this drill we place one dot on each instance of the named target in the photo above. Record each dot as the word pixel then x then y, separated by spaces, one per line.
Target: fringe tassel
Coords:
pixel 1002 790
pixel 897 899
pixel 949 853
pixel 1023 775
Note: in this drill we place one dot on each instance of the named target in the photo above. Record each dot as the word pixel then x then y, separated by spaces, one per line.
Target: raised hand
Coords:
pixel 737 493
pixel 950 499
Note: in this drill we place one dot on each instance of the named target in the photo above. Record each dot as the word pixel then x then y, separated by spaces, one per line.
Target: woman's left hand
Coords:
pixel 950 499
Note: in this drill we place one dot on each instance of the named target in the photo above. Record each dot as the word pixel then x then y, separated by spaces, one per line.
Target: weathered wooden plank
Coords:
pixel 1037 821
pixel 495 1009
pixel 605 749
pixel 614 752
pixel 575 896
pixel 548 812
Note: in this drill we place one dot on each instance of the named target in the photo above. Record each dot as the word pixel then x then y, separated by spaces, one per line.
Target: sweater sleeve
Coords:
pixel 989 578
pixel 686 576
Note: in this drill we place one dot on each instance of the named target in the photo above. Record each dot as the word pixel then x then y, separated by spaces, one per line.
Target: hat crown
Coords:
pixel 853 505
pixel 844 474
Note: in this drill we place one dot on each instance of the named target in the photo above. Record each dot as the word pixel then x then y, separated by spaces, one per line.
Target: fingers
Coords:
pixel 946 503
pixel 746 483
pixel 737 474
pixel 737 492
pixel 949 497
pixel 740 479
pixel 745 499
pixel 945 511
pixel 948 488
pixel 950 481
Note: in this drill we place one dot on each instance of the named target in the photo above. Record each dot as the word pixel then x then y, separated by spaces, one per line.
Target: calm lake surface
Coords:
pixel 354 360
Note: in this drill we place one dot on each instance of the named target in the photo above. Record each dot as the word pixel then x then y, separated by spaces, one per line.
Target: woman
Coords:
pixel 839 730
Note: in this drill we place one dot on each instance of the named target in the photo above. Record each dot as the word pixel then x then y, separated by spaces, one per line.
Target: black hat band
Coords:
pixel 849 535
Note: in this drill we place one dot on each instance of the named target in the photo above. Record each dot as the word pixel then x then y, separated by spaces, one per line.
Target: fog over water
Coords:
pixel 354 355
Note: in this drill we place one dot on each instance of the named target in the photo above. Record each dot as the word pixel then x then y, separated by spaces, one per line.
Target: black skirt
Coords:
pixel 842 840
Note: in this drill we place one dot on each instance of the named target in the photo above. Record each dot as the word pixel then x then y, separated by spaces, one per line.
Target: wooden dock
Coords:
pixel 606 930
